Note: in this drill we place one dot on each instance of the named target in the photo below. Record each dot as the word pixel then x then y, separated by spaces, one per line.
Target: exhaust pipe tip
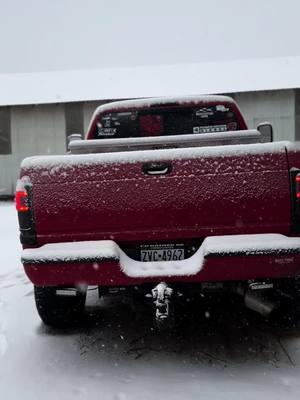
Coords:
pixel 263 302
pixel 277 310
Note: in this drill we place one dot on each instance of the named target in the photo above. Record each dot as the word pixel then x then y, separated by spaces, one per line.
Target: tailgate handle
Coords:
pixel 157 168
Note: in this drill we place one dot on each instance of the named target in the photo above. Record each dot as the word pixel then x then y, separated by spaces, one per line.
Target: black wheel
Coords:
pixel 60 307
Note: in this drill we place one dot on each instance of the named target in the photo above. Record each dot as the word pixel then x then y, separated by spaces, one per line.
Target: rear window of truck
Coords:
pixel 166 121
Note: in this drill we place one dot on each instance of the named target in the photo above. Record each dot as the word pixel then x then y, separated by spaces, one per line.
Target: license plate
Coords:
pixel 162 254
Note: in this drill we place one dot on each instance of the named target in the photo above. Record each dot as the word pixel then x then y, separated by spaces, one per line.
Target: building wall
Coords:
pixel 34 130
pixel 297 114
pixel 277 107
pixel 42 129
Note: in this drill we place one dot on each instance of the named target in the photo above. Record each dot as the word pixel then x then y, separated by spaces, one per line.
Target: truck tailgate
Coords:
pixel 191 193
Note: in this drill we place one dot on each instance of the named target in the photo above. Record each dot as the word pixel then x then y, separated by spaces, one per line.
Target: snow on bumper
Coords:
pixel 218 258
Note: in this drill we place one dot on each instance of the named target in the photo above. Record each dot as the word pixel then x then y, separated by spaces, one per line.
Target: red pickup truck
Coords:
pixel 169 198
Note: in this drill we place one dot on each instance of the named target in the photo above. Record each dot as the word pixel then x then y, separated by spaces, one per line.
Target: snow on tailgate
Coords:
pixel 50 162
pixel 94 251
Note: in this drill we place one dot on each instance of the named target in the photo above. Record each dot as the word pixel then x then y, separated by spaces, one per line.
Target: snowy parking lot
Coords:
pixel 233 354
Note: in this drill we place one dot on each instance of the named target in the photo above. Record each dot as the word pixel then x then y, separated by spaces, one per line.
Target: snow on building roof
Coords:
pixel 150 81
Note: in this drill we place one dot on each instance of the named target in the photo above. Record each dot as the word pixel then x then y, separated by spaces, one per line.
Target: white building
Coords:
pixel 39 110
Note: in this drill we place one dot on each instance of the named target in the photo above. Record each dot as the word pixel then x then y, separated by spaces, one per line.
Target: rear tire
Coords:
pixel 59 311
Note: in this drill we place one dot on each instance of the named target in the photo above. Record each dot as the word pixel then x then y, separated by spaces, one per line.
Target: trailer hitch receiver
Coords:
pixel 162 295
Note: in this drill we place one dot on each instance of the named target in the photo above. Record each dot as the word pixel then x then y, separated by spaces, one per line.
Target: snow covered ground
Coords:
pixel 232 355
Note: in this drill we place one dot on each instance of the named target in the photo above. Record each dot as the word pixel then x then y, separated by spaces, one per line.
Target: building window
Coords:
pixel 74 118
pixel 5 131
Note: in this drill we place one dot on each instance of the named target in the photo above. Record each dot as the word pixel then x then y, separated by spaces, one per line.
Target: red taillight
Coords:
pixel 22 201
pixel 295 190
pixel 297 186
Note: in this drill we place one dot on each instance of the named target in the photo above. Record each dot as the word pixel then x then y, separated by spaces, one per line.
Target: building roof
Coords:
pixel 150 81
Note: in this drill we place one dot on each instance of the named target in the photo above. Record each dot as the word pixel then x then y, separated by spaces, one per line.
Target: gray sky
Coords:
pixel 41 35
